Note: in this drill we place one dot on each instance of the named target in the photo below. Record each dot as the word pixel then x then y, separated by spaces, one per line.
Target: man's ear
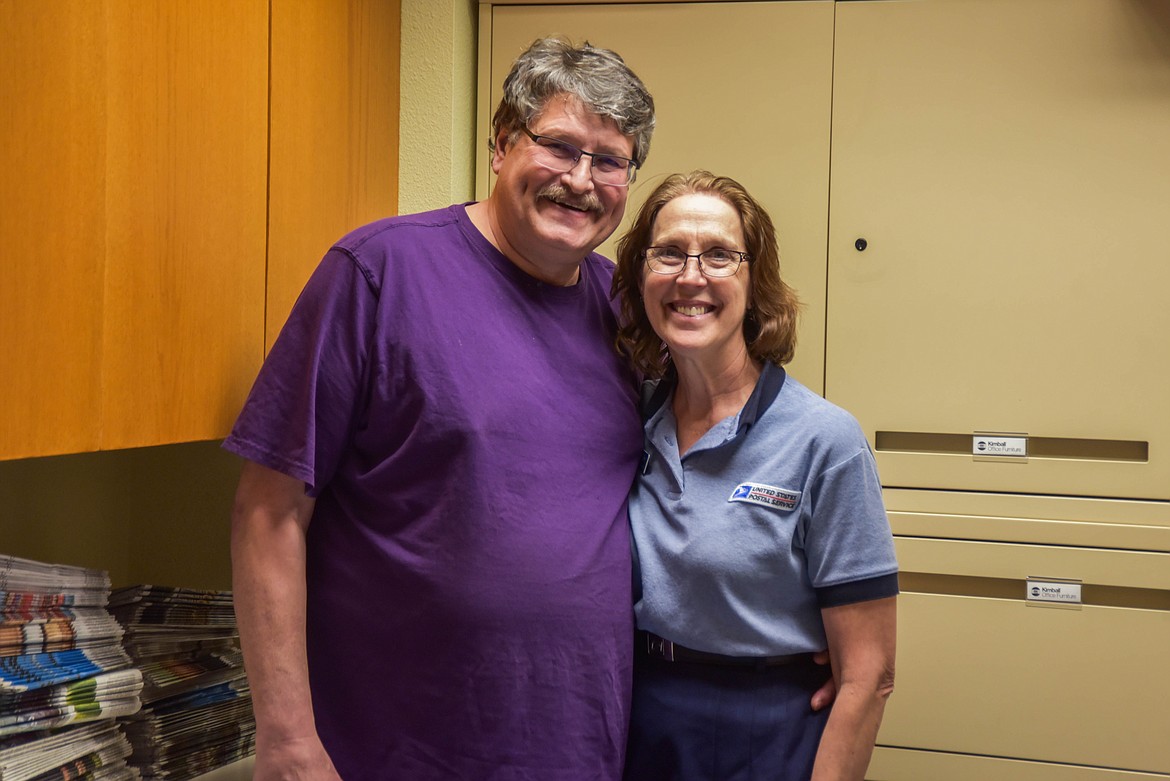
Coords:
pixel 500 151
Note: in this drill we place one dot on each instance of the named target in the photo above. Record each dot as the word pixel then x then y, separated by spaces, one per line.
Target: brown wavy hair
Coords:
pixel 769 327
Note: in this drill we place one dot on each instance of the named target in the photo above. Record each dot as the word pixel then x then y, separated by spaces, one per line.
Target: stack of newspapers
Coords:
pixel 61 664
pixel 197 709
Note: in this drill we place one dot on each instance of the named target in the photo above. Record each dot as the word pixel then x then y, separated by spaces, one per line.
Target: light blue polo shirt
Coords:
pixel 772 515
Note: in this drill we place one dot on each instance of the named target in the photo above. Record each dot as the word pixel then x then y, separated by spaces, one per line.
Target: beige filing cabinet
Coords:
pixel 1007 164
pixel 1004 339
pixel 743 90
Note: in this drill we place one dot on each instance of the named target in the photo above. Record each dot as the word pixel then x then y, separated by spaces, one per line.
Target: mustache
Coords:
pixel 560 194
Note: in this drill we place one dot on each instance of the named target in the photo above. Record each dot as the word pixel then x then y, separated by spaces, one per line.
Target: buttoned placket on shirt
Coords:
pixel 663 437
pixel 662 428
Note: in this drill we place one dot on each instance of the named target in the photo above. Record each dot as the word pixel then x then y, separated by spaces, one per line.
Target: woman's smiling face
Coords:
pixel 698 317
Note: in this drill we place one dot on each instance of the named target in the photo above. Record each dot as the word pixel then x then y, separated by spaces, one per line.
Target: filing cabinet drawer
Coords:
pixel 895 764
pixel 985 672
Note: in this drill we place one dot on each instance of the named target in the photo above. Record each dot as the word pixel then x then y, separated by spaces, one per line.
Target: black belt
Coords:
pixel 657 647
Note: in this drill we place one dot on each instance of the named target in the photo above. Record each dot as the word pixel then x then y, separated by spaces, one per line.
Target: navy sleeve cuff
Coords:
pixel 858 591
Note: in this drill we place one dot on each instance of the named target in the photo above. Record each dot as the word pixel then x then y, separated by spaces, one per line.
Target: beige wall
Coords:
pixel 437 117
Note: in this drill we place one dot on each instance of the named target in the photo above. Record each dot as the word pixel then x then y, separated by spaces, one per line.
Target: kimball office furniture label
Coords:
pixel 1060 592
pixel 992 445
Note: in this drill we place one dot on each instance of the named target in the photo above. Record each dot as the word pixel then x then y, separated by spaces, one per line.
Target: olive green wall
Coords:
pixel 149 515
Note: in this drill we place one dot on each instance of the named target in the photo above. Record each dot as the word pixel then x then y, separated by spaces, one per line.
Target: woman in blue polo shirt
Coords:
pixel 760 535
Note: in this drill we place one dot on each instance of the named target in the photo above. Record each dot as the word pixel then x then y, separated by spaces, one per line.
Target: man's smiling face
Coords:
pixel 552 217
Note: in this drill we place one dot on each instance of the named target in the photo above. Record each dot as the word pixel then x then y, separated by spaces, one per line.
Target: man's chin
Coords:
pixel 580 243
pixel 583 234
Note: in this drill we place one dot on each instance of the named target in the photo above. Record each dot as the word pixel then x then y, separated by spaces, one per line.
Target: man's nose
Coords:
pixel 580 176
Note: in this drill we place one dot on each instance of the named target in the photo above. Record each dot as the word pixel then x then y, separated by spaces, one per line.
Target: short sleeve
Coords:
pixel 848 538
pixel 310 392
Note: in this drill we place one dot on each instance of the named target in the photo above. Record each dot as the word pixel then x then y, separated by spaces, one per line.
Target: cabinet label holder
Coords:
pixel 1003 448
pixel 1053 592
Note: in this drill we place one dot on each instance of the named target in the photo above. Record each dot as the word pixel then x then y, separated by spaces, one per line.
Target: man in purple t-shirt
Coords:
pixel 430 551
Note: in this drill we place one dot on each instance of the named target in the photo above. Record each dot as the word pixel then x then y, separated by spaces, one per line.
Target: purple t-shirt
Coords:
pixel 470 437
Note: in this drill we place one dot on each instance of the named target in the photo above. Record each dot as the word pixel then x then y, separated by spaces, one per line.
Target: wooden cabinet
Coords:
pixel 334 137
pixel 52 225
pixel 186 135
pixel 173 172
pixel 141 155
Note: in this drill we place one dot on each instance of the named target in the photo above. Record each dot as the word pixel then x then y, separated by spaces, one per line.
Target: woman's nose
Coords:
pixel 692 272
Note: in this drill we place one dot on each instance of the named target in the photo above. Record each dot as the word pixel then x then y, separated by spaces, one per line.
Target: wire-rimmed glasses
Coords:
pixel 712 262
pixel 562 156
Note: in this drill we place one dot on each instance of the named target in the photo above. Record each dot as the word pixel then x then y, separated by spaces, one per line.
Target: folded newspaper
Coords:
pixel 77 752
pixel 64 675
pixel 197 708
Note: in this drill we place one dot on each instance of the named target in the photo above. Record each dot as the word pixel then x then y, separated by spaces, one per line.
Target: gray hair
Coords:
pixel 599 78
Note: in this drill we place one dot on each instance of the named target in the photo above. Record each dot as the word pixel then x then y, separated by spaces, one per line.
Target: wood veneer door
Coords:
pixel 137 200
pixel 334 138
pixel 52 225
pixel 186 212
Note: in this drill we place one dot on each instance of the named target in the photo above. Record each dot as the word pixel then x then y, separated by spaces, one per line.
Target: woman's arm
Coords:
pixel 862 640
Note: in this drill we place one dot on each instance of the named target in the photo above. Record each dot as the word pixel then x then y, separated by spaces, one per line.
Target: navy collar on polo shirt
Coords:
pixel 767 389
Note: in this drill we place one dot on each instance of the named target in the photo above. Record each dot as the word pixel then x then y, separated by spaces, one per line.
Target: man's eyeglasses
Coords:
pixel 712 263
pixel 562 156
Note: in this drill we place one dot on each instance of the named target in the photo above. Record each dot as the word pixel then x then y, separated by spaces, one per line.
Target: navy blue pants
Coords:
pixel 698 722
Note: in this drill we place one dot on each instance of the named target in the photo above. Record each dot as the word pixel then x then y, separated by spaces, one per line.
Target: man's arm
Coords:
pixel 862 640
pixel 269 521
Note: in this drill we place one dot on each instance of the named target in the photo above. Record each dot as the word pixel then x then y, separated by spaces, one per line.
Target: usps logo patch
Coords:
pixel 767 495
